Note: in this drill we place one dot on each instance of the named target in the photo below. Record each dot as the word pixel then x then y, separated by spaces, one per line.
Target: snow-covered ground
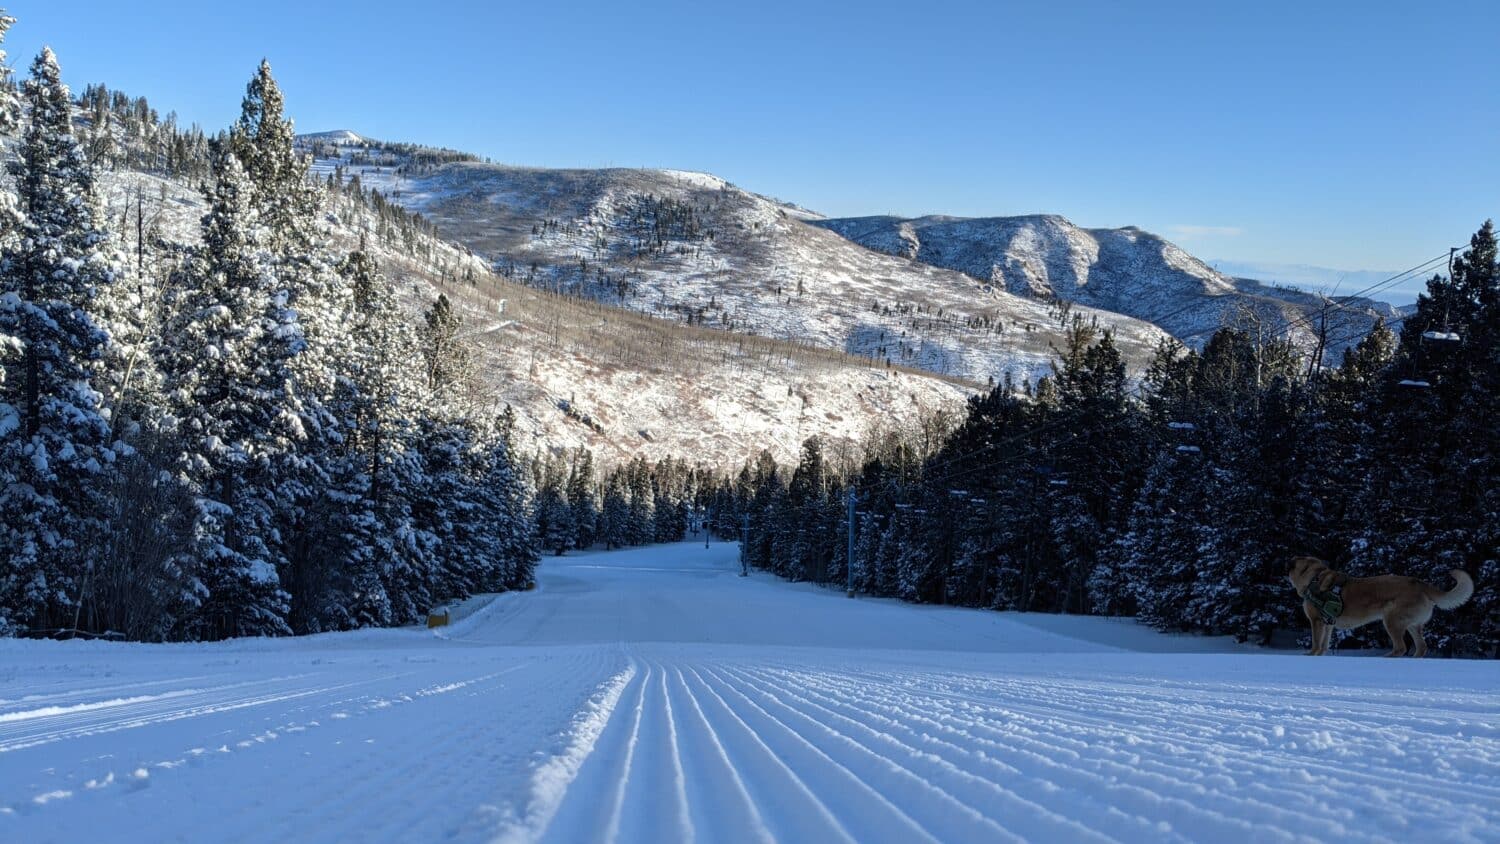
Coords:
pixel 654 695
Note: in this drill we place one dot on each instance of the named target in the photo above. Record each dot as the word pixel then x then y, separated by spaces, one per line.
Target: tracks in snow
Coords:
pixel 653 695
pixel 746 750
pixel 440 740
pixel 44 725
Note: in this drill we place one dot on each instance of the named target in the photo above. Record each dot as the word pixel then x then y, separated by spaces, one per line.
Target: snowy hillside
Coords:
pixel 694 248
pixel 623 384
pixel 581 374
pixel 654 695
pixel 1126 270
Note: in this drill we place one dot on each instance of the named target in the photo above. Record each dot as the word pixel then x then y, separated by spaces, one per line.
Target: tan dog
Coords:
pixel 1404 604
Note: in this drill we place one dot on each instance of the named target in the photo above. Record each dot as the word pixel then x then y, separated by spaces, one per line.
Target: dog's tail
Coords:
pixel 1455 597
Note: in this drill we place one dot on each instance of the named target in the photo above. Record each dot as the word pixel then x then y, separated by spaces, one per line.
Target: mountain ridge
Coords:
pixel 697 248
pixel 734 254
pixel 1127 270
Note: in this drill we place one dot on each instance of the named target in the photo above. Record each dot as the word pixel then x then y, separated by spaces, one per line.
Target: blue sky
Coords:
pixel 1352 135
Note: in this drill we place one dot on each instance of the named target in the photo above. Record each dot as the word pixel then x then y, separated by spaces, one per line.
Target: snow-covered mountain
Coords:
pixel 580 373
pixel 336 136
pixel 1125 270
pixel 695 248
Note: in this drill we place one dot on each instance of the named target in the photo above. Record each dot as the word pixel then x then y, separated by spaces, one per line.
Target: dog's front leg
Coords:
pixel 1313 647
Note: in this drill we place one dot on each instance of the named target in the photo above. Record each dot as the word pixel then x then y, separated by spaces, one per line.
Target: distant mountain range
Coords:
pixel 692 247
pixel 976 299
pixel 1125 270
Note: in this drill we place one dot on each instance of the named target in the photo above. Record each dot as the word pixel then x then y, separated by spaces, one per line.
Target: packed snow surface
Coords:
pixel 654 695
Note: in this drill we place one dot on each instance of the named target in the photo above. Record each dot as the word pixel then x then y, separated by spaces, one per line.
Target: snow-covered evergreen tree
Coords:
pixel 366 551
pixel 54 434
pixel 807 533
pixel 263 140
pixel 581 500
pixel 448 360
pixel 10 104
pixel 641 527
pixel 505 502
pixel 440 508
pixel 554 518
pixel 614 516
pixel 225 369
pixel 1435 463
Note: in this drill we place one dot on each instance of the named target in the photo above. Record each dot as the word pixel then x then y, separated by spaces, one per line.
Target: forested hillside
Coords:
pixel 245 437
pixel 238 399
pixel 1180 501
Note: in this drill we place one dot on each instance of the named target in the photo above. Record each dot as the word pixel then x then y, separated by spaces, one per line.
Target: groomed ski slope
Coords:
pixel 654 695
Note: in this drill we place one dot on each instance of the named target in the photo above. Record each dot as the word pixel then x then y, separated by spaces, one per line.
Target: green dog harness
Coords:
pixel 1329 602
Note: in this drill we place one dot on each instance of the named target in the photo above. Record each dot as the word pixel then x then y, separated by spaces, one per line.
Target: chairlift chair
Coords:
pixel 1189 431
pixel 1432 335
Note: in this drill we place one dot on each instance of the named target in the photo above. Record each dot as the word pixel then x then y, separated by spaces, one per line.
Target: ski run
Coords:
pixel 655 695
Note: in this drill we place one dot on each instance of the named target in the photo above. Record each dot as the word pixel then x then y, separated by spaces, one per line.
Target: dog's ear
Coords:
pixel 1305 566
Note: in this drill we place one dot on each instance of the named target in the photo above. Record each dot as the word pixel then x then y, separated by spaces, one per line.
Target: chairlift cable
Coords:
pixel 1286 329
pixel 1343 303
pixel 1137 392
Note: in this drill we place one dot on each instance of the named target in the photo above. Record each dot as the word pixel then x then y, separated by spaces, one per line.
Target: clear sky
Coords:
pixel 1356 135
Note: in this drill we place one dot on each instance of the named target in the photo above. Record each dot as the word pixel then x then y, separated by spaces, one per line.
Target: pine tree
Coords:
pixel 641 527
pixel 1429 505
pixel 10 104
pixel 264 142
pixel 1153 567
pixel 809 531
pixel 54 437
pixel 369 469
pixel 506 503
pixel 554 518
pixel 224 366
pixel 581 500
pixel 12 350
pixel 442 508
pixel 1101 456
pixel 866 553
pixel 764 510
pixel 448 360
pixel 614 517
